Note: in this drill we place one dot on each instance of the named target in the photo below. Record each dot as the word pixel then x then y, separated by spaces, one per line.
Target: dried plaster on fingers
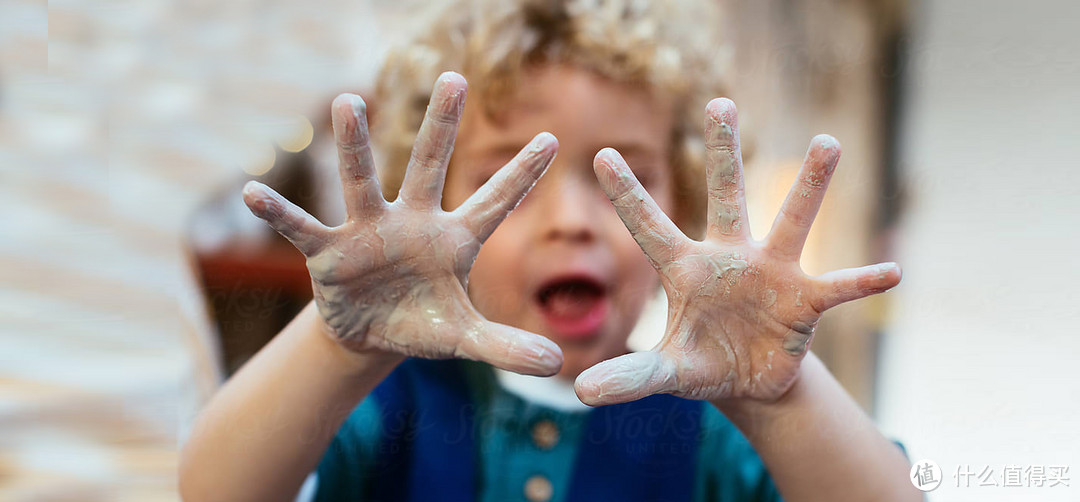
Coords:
pixel 395 255
pixel 631 373
pixel 768 298
pixel 632 202
pixel 816 178
pixel 724 175
pixel 798 296
pixel 721 133
pixel 714 274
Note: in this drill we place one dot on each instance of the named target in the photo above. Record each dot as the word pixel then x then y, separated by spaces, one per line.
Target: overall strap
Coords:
pixel 426 451
pixel 641 450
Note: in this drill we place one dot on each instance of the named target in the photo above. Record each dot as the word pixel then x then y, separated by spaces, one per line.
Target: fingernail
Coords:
pixel 719 130
pixel 260 200
pixel 451 102
pixel 606 159
pixel 827 142
pixel 548 358
pixel 610 157
pixel 551 361
pixel 257 191
pixel 886 268
pixel 542 145
pixel 721 111
pixel 359 107
pixel 830 150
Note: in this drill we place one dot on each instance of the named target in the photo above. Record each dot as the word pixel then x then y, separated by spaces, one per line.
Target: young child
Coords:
pixel 384 385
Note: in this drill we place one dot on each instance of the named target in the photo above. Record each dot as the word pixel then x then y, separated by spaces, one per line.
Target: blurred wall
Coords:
pixel 981 362
pixel 117 118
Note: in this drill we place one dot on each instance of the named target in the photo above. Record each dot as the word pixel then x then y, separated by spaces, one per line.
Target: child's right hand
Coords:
pixel 393 277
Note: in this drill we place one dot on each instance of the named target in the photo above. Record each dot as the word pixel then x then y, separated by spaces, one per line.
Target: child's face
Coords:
pixel 562 264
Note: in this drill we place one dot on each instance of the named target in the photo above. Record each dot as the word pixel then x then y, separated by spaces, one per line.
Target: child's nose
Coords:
pixel 571 208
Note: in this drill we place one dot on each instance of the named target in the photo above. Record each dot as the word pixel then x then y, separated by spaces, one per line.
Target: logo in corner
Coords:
pixel 925 475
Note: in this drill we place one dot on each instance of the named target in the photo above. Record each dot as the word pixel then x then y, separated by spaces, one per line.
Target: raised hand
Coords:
pixel 394 276
pixel 741 313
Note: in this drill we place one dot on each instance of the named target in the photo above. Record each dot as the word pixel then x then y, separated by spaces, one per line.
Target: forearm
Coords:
pixel 269 425
pixel 818 445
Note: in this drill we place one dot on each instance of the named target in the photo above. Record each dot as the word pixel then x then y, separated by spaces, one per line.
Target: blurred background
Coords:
pixel 132 279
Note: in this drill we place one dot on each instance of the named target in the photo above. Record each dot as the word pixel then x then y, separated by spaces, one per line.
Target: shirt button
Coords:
pixel 545 434
pixel 538 489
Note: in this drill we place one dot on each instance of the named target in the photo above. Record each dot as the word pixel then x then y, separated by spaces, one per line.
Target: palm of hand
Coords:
pixel 393 277
pixel 737 322
pixel 410 279
pixel 741 313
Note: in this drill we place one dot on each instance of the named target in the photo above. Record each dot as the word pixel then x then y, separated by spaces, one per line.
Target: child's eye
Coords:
pixel 645 169
pixel 486 168
pixel 646 179
pixel 484 172
pixel 645 174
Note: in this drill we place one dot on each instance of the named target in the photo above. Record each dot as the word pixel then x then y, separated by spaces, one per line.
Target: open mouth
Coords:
pixel 573 307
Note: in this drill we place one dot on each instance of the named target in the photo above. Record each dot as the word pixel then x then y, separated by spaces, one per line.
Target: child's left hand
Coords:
pixel 741 313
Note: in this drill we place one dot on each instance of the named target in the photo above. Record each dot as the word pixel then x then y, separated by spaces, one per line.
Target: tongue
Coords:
pixel 571 303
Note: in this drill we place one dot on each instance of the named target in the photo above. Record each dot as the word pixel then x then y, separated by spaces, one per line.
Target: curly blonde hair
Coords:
pixel 492 42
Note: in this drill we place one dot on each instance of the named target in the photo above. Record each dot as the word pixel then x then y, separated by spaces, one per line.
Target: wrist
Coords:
pixel 757 411
pixel 352 362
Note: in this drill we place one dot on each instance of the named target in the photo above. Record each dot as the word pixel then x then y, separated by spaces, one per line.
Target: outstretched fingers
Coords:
pixel 626 378
pixel 842 286
pixel 510 348
pixel 426 173
pixel 657 235
pixel 302 229
pixel 484 210
pixel 727 217
pixel 792 224
pixel 359 180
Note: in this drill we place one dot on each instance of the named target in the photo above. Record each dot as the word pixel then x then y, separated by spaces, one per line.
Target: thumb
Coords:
pixel 301 228
pixel 625 378
pixel 511 349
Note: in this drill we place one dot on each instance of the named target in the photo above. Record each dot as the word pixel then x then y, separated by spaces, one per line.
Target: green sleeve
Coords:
pixel 728 468
pixel 346 466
